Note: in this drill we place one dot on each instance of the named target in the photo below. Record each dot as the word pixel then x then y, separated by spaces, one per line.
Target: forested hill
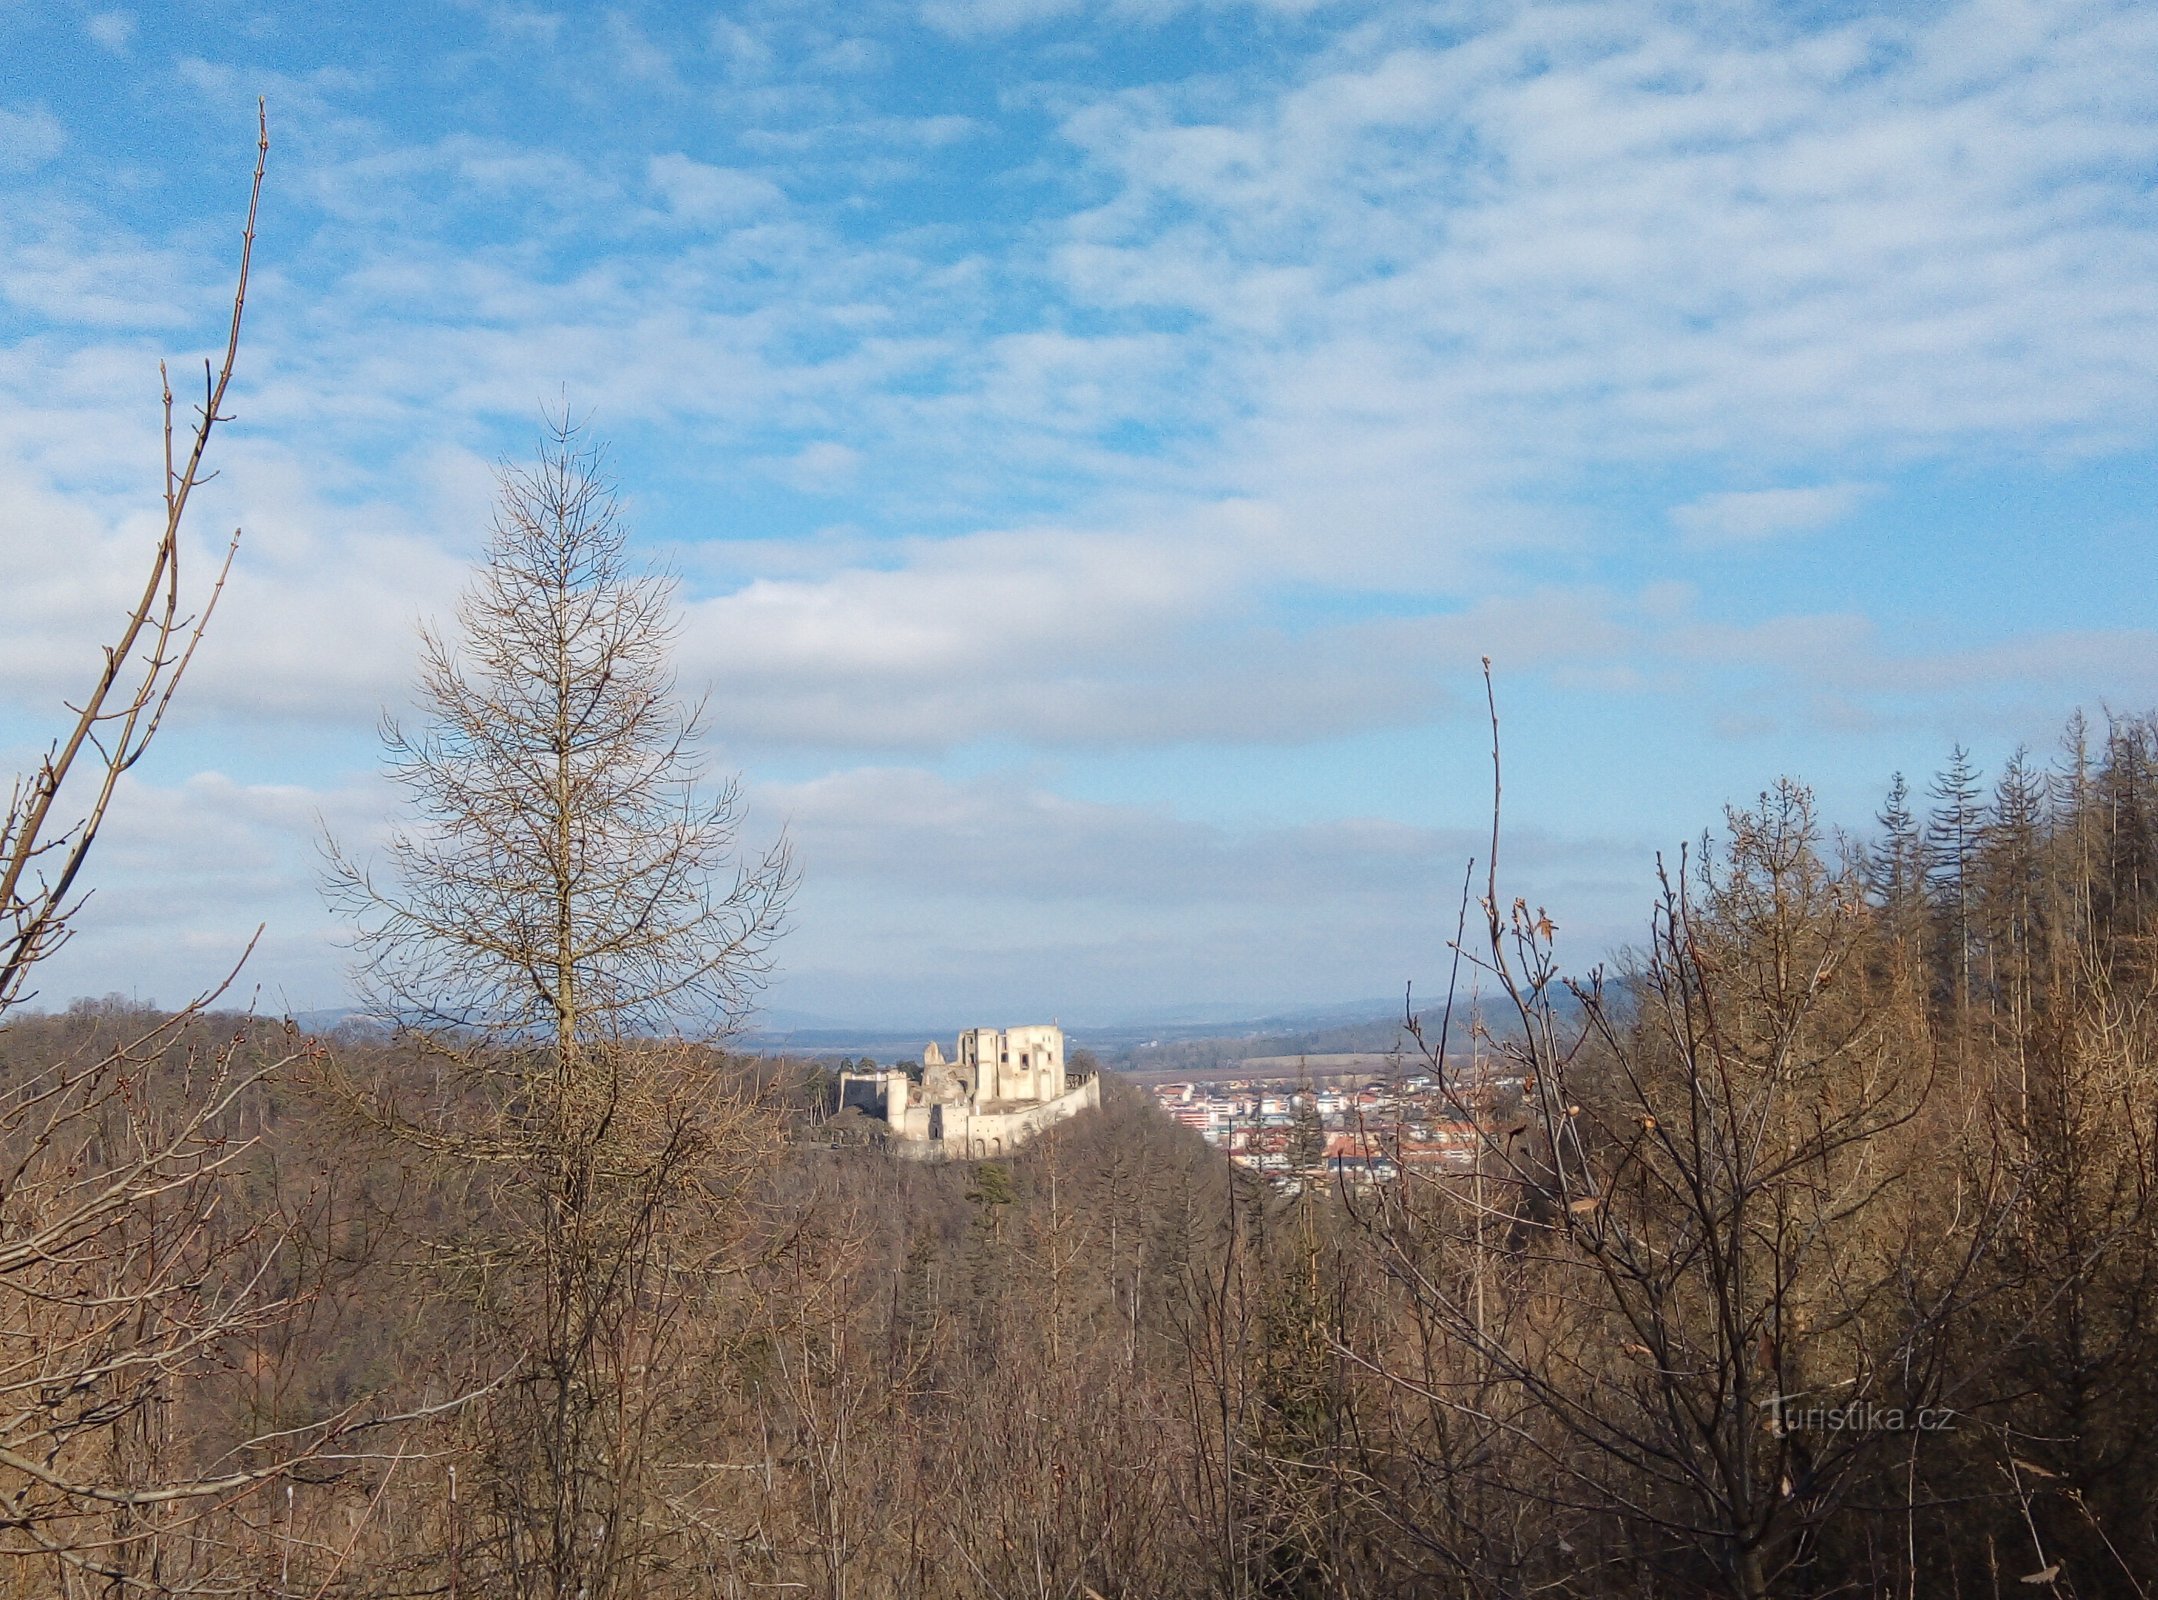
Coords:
pixel 1827 1263
pixel 904 1365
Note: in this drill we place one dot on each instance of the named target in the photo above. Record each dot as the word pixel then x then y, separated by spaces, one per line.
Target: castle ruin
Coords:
pixel 1000 1088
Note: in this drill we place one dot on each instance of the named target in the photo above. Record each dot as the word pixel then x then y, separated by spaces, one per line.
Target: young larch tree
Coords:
pixel 563 922
pixel 569 880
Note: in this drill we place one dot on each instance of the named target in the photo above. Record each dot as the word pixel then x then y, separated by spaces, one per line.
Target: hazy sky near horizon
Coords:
pixel 1098 441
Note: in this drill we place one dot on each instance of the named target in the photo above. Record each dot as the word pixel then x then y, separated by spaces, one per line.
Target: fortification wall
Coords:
pixel 958 1134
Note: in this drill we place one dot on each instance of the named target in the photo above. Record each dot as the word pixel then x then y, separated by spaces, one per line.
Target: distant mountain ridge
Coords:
pixel 1211 1033
pixel 1197 1035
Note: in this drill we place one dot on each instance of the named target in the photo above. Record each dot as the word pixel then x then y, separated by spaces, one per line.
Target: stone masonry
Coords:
pixel 1000 1088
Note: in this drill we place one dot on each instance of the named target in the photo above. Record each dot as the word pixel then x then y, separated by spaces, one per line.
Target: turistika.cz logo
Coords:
pixel 1858 1416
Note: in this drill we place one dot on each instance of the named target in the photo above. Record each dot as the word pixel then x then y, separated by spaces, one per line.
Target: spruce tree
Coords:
pixel 2009 878
pixel 1953 832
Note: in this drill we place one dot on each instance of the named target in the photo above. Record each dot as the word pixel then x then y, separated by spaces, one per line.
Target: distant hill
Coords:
pixel 1200 1034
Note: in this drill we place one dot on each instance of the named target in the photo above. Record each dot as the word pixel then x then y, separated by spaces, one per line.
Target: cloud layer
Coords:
pixel 1039 399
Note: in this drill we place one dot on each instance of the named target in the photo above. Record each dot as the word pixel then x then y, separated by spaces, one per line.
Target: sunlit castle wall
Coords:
pixel 1014 1064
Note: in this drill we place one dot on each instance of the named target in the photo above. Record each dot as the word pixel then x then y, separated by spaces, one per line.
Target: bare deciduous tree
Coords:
pixel 43 849
pixel 566 898
pixel 569 881
pixel 1704 1224
pixel 128 1283
pixel 135 1281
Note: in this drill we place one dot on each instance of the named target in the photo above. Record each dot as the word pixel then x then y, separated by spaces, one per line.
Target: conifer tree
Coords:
pixel 566 897
pixel 2010 878
pixel 1895 868
pixel 2127 795
pixel 567 877
pixel 1952 838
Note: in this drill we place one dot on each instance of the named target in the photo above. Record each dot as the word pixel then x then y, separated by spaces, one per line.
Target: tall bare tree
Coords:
pixel 130 1288
pixel 46 833
pixel 1708 1219
pixel 568 879
pixel 566 898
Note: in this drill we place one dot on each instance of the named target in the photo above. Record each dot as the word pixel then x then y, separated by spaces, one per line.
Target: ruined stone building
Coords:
pixel 1000 1088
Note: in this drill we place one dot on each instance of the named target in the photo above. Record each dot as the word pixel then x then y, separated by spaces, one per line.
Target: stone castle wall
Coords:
pixel 1001 1088
pixel 959 1135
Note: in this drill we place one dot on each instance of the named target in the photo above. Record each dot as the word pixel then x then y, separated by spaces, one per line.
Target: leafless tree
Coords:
pixel 565 898
pixel 107 1196
pixel 136 1281
pixel 46 836
pixel 568 880
pixel 1712 1275
pixel 129 1282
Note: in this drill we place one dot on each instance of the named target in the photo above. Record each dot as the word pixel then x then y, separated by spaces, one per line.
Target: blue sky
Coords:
pixel 1099 441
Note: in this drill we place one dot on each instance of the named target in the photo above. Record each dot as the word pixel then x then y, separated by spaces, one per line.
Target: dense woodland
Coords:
pixel 1817 1257
pixel 1867 1126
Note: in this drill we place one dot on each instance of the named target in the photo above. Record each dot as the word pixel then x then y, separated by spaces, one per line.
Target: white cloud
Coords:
pixel 1596 234
pixel 963 18
pixel 1054 635
pixel 823 466
pixel 639 57
pixel 29 138
pixel 1251 412
pixel 698 191
pixel 955 894
pixel 525 23
pixel 924 897
pixel 114 30
pixel 968 18
pixel 184 874
pixel 1752 516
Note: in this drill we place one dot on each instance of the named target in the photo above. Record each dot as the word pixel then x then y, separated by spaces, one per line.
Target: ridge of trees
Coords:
pixel 1115 1363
